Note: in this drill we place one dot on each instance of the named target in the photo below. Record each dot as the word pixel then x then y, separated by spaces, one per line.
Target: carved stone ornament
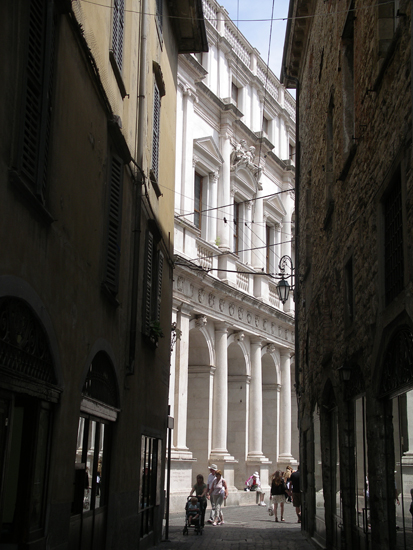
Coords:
pixel 221 304
pixel 249 318
pixel 211 300
pixel 201 295
pixel 280 331
pixel 239 336
pixel 273 326
pixel 264 324
pixel 180 283
pixel 286 333
pixel 240 313
pixel 242 155
pixel 231 309
pixel 271 348
pixel 200 321
pixel 257 321
pixel 191 290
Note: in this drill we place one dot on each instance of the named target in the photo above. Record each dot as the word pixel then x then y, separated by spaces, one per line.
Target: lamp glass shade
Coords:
pixel 283 290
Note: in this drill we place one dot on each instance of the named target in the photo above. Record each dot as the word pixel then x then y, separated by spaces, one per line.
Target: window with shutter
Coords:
pixel 156 126
pixel 37 97
pixel 114 225
pixel 117 31
pixel 159 15
pixel 153 284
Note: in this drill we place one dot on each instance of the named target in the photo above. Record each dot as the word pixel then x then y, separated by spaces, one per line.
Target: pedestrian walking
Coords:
pixel 295 491
pixel 212 469
pixel 219 492
pixel 278 494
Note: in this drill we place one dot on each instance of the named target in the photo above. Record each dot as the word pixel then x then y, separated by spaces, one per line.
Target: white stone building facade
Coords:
pixel 232 368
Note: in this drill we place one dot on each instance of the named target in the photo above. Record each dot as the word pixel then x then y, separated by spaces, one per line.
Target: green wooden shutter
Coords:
pixel 118 26
pixel 156 126
pixel 114 225
pixel 159 285
pixel 35 135
pixel 149 269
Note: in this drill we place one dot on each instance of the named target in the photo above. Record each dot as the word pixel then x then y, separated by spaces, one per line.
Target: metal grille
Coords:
pixel 393 250
pixel 117 35
pixel 24 347
pixel 156 126
pixel 100 383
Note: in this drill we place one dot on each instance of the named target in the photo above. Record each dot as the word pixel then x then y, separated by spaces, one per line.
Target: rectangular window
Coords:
pixel 236 231
pixel 159 14
pixel 265 125
pixel 349 293
pixel 37 97
pixel 111 280
pixel 118 31
pixel 150 481
pixel 234 94
pixel 153 285
pixel 198 201
pixel 156 128
pixel 393 240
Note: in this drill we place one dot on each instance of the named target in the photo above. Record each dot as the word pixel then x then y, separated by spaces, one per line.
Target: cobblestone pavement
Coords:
pixel 245 527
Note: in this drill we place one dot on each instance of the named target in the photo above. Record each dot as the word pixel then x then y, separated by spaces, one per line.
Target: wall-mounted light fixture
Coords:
pixel 283 286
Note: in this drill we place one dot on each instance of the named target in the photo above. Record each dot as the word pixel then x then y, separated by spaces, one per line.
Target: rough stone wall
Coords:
pixel 340 218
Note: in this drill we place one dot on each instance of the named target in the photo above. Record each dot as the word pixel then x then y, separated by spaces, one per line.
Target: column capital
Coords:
pixel 221 327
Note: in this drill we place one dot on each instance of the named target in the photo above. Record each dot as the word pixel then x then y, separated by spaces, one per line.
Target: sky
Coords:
pixel 258 32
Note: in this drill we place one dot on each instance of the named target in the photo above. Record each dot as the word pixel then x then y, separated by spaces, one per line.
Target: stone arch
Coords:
pixel 201 368
pixel 271 380
pixel 19 291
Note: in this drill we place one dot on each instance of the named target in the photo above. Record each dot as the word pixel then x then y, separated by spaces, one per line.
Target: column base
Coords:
pixel 286 459
pixel 181 454
pixel 262 466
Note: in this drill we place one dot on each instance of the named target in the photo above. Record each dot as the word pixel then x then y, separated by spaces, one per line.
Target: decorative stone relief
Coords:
pixel 211 300
pixel 249 318
pixel 180 283
pixel 271 348
pixel 201 295
pixel 244 156
pixel 264 324
pixel 280 331
pixel 257 321
pixel 240 313
pixel 231 309
pixel 239 336
pixel 201 321
pixel 273 327
pixel 221 304
pixel 286 334
pixel 191 290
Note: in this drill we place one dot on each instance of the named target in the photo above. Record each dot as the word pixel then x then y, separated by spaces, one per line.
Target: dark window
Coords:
pixel 268 248
pixel 393 240
pixel 234 93
pixel 349 293
pixel 156 127
pixel 150 481
pixel 265 125
pixel 114 225
pixel 198 201
pixel 348 79
pixel 37 97
pixel 159 16
pixel 153 284
pixel 236 228
pixel 118 31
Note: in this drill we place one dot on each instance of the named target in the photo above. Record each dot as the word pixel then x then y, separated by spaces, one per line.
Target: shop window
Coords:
pixel 150 481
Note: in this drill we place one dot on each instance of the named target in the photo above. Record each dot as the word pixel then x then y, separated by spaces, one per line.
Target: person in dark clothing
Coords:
pixel 295 491
pixel 278 493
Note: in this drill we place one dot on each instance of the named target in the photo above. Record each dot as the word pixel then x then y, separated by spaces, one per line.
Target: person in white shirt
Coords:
pixel 212 469
pixel 219 492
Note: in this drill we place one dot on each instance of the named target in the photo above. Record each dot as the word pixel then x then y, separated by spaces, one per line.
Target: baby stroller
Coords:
pixel 194 523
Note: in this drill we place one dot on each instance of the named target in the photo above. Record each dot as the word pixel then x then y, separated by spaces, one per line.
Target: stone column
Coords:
pixel 212 203
pixel 171 398
pixel 285 456
pixel 220 400
pixel 255 410
pixel 181 386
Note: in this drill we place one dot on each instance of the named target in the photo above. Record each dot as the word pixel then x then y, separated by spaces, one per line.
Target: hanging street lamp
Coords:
pixel 283 286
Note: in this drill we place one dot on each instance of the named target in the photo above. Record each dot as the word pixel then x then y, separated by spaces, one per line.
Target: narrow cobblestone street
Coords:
pixel 245 527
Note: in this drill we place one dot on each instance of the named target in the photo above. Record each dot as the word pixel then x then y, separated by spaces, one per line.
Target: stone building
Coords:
pixel 87 101
pixel 231 393
pixel 350 63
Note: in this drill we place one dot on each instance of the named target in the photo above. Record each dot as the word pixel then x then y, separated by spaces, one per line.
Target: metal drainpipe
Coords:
pixel 141 133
